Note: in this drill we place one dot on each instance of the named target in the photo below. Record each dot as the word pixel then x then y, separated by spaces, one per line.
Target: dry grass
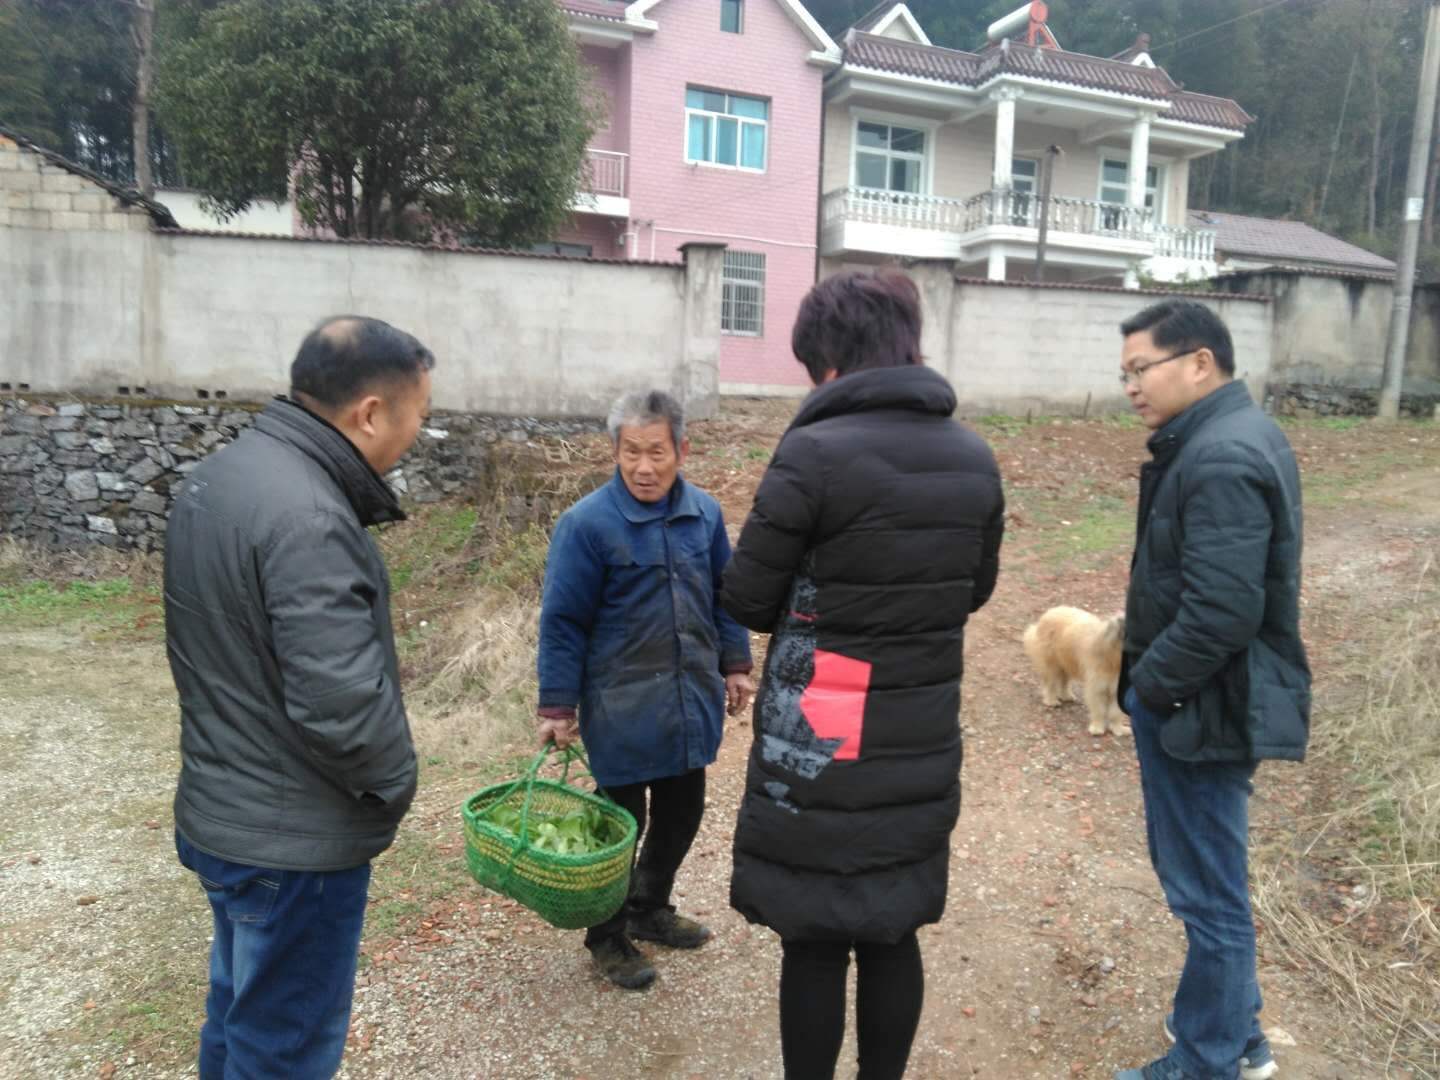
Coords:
pixel 1378 949
pixel 469 609
pixel 22 561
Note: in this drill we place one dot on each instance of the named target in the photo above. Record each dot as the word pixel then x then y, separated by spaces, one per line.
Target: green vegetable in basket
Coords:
pixel 580 832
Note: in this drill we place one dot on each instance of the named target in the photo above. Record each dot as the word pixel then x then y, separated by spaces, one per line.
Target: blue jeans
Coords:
pixel 1197 825
pixel 282 967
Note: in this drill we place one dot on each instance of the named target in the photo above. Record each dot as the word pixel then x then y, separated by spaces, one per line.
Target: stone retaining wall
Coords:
pixel 84 472
pixel 1309 399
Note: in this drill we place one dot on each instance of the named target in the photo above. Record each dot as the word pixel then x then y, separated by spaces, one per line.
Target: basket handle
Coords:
pixel 572 753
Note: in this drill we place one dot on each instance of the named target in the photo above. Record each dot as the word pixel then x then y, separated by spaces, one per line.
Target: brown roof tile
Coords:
pixel 1052 65
pixel 1286 242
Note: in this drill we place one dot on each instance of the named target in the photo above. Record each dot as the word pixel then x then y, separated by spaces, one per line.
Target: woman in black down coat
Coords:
pixel 874 535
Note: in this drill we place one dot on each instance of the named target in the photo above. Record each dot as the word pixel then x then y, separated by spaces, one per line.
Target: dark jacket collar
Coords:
pixel 316 438
pixel 916 388
pixel 681 502
pixel 1178 430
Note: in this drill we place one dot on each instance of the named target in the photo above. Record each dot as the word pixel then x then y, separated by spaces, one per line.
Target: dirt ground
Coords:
pixel 1056 957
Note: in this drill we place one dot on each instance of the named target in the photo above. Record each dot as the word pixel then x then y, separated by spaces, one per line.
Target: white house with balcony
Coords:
pixel 942 154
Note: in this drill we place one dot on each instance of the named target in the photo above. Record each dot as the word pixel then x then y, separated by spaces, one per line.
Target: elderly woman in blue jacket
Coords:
pixel 633 636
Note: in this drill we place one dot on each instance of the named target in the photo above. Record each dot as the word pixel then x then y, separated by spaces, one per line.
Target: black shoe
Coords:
pixel 662 925
pixel 622 963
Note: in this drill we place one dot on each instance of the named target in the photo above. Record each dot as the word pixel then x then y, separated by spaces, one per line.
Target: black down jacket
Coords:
pixel 1212 620
pixel 295 753
pixel 874 535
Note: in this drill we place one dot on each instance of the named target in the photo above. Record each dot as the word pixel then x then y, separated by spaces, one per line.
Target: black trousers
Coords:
pixel 676 805
pixel 890 981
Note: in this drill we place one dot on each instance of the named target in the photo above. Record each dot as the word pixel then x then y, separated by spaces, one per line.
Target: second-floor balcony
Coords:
pixel 1086 233
pixel 602 188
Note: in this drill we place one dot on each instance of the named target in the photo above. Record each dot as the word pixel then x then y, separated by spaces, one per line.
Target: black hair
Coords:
pixel 1185 324
pixel 349 355
pixel 858 320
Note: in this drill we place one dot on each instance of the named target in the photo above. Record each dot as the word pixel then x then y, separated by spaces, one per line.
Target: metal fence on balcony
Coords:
pixel 604 172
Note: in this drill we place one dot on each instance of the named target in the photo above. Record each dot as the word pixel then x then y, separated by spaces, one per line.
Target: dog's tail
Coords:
pixel 1113 635
pixel 1031 639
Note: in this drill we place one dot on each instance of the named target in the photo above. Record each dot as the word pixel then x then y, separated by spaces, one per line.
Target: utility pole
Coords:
pixel 1399 338
pixel 1047 172
pixel 143 31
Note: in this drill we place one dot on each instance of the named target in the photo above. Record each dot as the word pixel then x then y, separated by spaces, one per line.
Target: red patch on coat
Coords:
pixel 834 702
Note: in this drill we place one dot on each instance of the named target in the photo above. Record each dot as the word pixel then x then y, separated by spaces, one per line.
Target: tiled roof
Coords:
pixel 610 10
pixel 1285 242
pixel 1206 109
pixel 1052 65
pixel 452 249
pixel 159 213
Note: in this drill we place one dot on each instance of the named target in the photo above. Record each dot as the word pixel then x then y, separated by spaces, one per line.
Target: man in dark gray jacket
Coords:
pixel 1216 672
pixel 296 758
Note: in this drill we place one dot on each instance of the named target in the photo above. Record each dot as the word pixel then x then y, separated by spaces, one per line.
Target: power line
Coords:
pixel 1217 26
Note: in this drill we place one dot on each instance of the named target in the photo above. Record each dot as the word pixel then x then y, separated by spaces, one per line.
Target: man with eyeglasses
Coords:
pixel 1214 677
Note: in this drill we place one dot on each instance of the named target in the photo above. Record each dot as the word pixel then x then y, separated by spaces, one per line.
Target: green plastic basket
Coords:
pixel 567 891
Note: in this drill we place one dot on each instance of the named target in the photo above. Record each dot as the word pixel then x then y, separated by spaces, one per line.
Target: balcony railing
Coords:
pixel 893 208
pixel 1002 207
pixel 1195 245
pixel 603 172
pixel 1085 216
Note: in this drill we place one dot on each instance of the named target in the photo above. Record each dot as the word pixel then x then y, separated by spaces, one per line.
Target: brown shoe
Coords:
pixel 662 925
pixel 622 963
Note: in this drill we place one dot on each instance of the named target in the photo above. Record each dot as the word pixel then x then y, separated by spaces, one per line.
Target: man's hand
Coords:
pixel 562 731
pixel 739 689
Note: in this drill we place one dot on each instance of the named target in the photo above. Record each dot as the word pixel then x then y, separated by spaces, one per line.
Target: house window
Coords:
pixel 731 16
pixel 726 129
pixel 1115 182
pixel 561 247
pixel 1023 174
pixel 888 157
pixel 742 294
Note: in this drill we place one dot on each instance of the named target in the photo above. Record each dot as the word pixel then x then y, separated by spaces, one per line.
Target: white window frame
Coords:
pixel 1033 181
pixel 741 121
pixel 1160 165
pixel 740 21
pixel 870 116
pixel 750 275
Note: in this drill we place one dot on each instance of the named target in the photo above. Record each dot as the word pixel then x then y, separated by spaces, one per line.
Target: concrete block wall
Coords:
pixel 98 303
pixel 1013 348
pixel 35 194
pixel 1332 329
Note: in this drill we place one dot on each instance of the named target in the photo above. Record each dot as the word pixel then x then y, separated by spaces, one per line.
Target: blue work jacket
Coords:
pixel 631 630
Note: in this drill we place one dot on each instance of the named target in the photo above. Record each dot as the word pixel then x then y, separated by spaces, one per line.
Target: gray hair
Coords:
pixel 644 408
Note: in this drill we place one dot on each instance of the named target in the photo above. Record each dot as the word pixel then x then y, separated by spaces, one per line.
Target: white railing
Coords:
pixel 1195 245
pixel 603 172
pixel 893 208
pixel 1090 217
pixel 1003 206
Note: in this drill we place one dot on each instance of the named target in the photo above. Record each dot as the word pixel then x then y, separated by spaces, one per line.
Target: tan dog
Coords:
pixel 1070 648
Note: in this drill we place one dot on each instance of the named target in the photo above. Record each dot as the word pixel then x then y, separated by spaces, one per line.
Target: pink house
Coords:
pixel 712 134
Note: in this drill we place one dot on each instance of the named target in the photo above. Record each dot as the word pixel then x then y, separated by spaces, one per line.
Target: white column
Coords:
pixel 1139 159
pixel 996 269
pixel 1132 278
pixel 1004 99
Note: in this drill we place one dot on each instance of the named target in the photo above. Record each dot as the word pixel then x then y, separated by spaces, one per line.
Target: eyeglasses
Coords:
pixel 1127 377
